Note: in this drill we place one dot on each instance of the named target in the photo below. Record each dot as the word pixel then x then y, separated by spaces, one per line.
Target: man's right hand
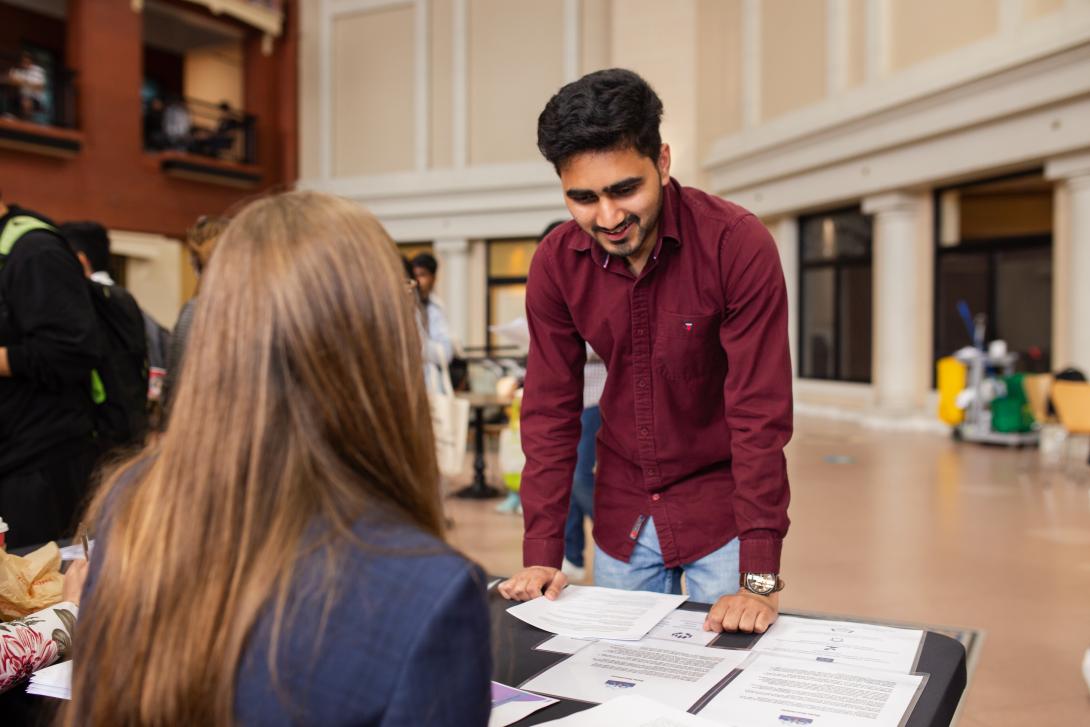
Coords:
pixel 533 582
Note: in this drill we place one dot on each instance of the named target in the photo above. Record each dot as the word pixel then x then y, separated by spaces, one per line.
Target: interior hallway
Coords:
pixel 917 528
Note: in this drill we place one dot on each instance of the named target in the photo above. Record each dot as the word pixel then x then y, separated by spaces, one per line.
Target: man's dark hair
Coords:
pixel 427 261
pixel 602 111
pixel 91 239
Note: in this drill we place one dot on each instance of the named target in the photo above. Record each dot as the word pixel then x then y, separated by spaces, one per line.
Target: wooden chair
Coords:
pixel 1071 400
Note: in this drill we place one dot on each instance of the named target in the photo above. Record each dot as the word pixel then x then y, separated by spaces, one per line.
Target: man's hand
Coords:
pixel 533 582
pixel 743 611
pixel 73 581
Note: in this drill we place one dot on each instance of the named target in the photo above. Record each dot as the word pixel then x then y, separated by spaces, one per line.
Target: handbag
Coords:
pixel 450 420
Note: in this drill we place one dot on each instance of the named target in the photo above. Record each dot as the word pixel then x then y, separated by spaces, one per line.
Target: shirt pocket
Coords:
pixel 687 346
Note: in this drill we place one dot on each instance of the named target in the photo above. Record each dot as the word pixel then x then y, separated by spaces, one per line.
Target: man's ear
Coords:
pixel 664 164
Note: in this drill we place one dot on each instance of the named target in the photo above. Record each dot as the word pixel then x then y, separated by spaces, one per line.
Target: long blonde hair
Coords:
pixel 302 402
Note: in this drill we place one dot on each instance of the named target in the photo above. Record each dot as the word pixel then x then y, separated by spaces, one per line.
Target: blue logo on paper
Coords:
pixel 618 684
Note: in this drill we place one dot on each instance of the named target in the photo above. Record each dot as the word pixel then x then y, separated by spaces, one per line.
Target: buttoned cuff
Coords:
pixel 760 555
pixel 542 551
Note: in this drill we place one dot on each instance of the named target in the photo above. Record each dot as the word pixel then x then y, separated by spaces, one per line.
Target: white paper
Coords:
pixel 774 691
pixel 679 626
pixel 631 711
pixel 842 642
pixel 564 644
pixel 52 681
pixel 676 675
pixel 509 705
pixel 598 613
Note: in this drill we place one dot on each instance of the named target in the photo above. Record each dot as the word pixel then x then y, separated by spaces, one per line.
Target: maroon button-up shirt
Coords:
pixel 697 405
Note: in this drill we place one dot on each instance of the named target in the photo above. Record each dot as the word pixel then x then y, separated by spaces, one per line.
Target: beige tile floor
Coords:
pixel 918 528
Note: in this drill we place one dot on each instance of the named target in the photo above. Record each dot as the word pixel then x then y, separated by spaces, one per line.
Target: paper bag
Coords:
pixel 30 583
pixel 450 421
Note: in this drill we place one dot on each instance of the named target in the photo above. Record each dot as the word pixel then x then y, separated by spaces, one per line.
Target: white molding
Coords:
pixel 140 245
pixel 891 203
pixel 1069 167
pixel 421 82
pixel 351 7
pixel 751 63
pixel 460 83
pixel 836 50
pixel 572 40
pixel 878 39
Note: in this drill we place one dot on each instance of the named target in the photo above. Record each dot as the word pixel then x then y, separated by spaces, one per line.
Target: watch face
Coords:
pixel 761 583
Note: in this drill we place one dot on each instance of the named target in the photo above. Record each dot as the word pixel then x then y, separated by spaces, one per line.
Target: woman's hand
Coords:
pixel 73 580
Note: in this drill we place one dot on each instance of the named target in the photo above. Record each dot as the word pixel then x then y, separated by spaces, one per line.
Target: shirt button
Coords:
pixel 655 497
pixel 651 472
pixel 641 383
pixel 643 431
pixel 641 332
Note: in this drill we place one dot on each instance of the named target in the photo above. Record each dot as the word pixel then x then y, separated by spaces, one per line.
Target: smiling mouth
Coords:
pixel 620 232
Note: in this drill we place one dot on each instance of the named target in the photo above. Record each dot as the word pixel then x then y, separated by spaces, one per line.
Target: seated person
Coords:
pixel 42 638
pixel 277 557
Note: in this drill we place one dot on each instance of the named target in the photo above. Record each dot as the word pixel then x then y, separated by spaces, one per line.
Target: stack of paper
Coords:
pixel 52 681
pixel 589 612
pixel 509 705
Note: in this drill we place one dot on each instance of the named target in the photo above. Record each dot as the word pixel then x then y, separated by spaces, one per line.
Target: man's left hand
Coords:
pixel 743 611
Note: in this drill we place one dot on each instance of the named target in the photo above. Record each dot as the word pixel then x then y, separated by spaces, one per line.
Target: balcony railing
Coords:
pixel 197 127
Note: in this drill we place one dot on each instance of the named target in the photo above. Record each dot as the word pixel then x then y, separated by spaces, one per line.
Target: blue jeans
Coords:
pixel 582 487
pixel 714 575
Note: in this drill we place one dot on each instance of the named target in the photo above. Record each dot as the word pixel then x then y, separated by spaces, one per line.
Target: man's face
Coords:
pixel 425 280
pixel 616 197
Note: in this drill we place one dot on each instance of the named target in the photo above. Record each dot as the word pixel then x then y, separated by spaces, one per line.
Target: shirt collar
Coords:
pixel 102 278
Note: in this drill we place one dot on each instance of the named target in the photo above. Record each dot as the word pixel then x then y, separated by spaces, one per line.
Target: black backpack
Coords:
pixel 119 383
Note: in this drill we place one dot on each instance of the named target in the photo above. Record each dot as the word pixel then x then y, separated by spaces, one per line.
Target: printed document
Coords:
pixel 52 681
pixel 676 675
pixel 843 642
pixel 591 612
pixel 631 711
pixel 509 705
pixel 683 626
pixel 774 691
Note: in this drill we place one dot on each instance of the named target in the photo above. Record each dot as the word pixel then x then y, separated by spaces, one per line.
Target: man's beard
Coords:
pixel 627 249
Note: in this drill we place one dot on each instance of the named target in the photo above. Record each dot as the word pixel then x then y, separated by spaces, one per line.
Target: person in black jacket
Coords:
pixel 48 348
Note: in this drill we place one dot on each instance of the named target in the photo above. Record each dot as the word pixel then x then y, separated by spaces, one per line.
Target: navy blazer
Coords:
pixel 405 643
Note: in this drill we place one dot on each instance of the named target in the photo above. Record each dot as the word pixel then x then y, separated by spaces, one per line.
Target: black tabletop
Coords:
pixel 515 661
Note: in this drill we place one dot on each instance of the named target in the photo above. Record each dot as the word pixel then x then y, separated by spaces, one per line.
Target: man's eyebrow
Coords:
pixel 623 185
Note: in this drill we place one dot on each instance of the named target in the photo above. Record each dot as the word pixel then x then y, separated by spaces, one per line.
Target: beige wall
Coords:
pixel 594 52
pixel 718 71
pixel 215 74
pixel 1039 8
pixel 442 99
pixel 922 29
pixel 310 98
pixel 373 108
pixel 856 71
pixel 793 55
pixel 515 65
pixel 668 62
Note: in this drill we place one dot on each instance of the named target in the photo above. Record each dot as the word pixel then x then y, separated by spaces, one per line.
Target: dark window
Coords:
pixel 835 296
pixel 994 254
pixel 508 266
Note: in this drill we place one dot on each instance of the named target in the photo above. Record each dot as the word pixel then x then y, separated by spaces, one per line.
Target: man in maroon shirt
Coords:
pixel 683 296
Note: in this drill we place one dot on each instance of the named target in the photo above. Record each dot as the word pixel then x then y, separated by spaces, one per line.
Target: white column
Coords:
pixel 452 285
pixel 1074 173
pixel 898 304
pixel 786 232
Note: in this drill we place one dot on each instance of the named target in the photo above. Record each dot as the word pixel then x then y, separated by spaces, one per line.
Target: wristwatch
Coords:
pixel 763 584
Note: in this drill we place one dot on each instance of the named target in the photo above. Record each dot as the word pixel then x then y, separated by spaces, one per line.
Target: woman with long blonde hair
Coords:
pixel 277 556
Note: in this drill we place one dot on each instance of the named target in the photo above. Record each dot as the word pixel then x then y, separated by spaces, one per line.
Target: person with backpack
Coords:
pixel 121 408
pixel 48 349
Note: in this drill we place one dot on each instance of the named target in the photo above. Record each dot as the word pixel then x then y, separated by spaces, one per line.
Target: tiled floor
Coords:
pixel 918 528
